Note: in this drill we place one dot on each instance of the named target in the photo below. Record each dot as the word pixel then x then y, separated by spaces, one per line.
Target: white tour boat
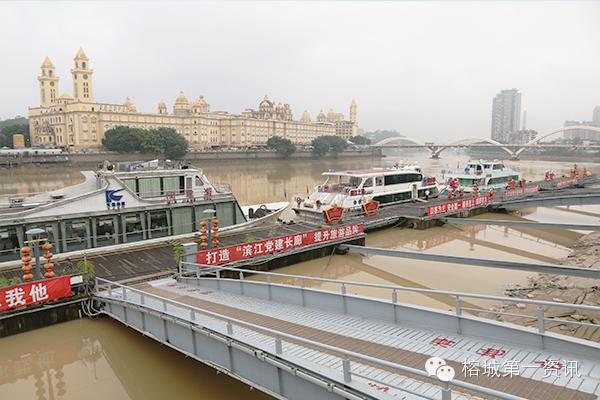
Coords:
pixel 125 203
pixel 351 190
pixel 486 175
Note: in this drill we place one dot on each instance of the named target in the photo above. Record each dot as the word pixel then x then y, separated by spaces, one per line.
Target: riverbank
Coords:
pixel 585 253
pixel 96 157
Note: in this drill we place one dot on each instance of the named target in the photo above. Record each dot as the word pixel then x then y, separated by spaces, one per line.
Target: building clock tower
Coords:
pixel 82 78
pixel 48 84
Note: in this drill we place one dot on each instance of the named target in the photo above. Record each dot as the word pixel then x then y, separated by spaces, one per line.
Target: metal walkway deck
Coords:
pixel 304 343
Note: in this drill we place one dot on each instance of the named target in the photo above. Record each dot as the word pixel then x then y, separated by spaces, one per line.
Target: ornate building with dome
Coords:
pixel 78 122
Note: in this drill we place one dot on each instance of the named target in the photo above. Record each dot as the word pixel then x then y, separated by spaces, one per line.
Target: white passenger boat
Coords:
pixel 351 190
pixel 486 175
pixel 125 203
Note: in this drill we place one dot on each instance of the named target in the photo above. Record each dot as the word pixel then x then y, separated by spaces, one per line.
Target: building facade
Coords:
pixel 523 136
pixel 79 122
pixel 506 114
pixel 581 134
pixel 584 134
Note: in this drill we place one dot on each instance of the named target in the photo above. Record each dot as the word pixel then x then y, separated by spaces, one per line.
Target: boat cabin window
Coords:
pixel 159 225
pixel 475 167
pixel 188 182
pixel 402 178
pixel 368 182
pixel 173 184
pixel 379 180
pixel 76 233
pixel 393 198
pixel 133 228
pixel 468 181
pixel 498 166
pixel 149 187
pixel 9 243
pixel 349 181
pixel 199 181
pixel 105 231
pixel 158 186
pixel 486 166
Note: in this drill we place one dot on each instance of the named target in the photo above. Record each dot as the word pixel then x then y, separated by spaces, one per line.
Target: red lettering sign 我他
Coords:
pixel 35 292
pixel 224 255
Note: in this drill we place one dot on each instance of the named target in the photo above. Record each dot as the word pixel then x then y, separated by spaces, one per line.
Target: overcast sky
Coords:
pixel 427 69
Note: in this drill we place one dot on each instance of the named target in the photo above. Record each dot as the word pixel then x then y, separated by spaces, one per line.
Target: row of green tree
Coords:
pixel 162 141
pixel 321 145
pixel 10 127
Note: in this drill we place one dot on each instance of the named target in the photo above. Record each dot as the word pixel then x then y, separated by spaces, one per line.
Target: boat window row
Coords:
pixel 90 232
pixel 159 186
pixel 502 179
pixel 402 178
pixel 393 197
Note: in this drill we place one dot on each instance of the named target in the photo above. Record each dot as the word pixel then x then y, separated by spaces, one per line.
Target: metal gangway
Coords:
pixel 301 337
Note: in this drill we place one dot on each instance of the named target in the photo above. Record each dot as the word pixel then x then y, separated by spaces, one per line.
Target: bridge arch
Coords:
pixel 538 138
pixel 395 138
pixel 436 153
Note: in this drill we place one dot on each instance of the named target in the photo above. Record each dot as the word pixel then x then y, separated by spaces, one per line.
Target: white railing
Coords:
pixel 199 270
pixel 118 292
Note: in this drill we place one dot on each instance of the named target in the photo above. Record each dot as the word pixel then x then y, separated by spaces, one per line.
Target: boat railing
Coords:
pixel 154 165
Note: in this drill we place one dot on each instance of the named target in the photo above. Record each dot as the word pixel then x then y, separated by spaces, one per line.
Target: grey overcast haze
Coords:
pixel 427 69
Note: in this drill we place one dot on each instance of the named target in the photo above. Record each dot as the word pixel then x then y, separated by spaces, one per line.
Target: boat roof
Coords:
pixel 68 192
pixel 88 186
pixel 484 162
pixel 365 173
pixel 151 173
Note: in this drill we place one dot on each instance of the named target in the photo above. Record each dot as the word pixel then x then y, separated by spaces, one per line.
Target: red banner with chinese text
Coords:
pixel 566 183
pixel 458 205
pixel 280 244
pixel 35 292
pixel 522 191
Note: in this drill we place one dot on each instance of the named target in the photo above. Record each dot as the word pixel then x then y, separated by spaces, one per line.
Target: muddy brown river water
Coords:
pixel 100 359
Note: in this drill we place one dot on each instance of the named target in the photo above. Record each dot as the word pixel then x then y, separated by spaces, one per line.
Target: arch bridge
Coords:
pixel 512 150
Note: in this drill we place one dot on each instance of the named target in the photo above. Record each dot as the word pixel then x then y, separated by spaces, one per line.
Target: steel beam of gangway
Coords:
pixel 479 262
pixel 521 224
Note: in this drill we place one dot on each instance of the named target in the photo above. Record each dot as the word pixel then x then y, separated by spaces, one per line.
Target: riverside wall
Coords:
pixel 213 155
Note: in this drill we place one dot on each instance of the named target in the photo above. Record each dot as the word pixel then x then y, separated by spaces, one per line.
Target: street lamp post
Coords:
pixel 210 213
pixel 34 238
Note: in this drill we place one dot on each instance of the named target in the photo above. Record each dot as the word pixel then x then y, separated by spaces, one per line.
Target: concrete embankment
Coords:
pixel 565 289
pixel 96 157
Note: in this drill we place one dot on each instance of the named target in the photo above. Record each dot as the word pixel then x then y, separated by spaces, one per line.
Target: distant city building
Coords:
pixel 79 122
pixel 584 134
pixel 522 137
pixel 506 114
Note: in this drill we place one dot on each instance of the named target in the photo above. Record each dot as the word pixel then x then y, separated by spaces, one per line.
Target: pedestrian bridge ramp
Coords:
pixel 297 342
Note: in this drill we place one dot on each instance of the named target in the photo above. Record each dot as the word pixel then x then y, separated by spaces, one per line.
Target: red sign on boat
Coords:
pixel 334 214
pixel 458 205
pixel 280 244
pixel 371 208
pixel 35 292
